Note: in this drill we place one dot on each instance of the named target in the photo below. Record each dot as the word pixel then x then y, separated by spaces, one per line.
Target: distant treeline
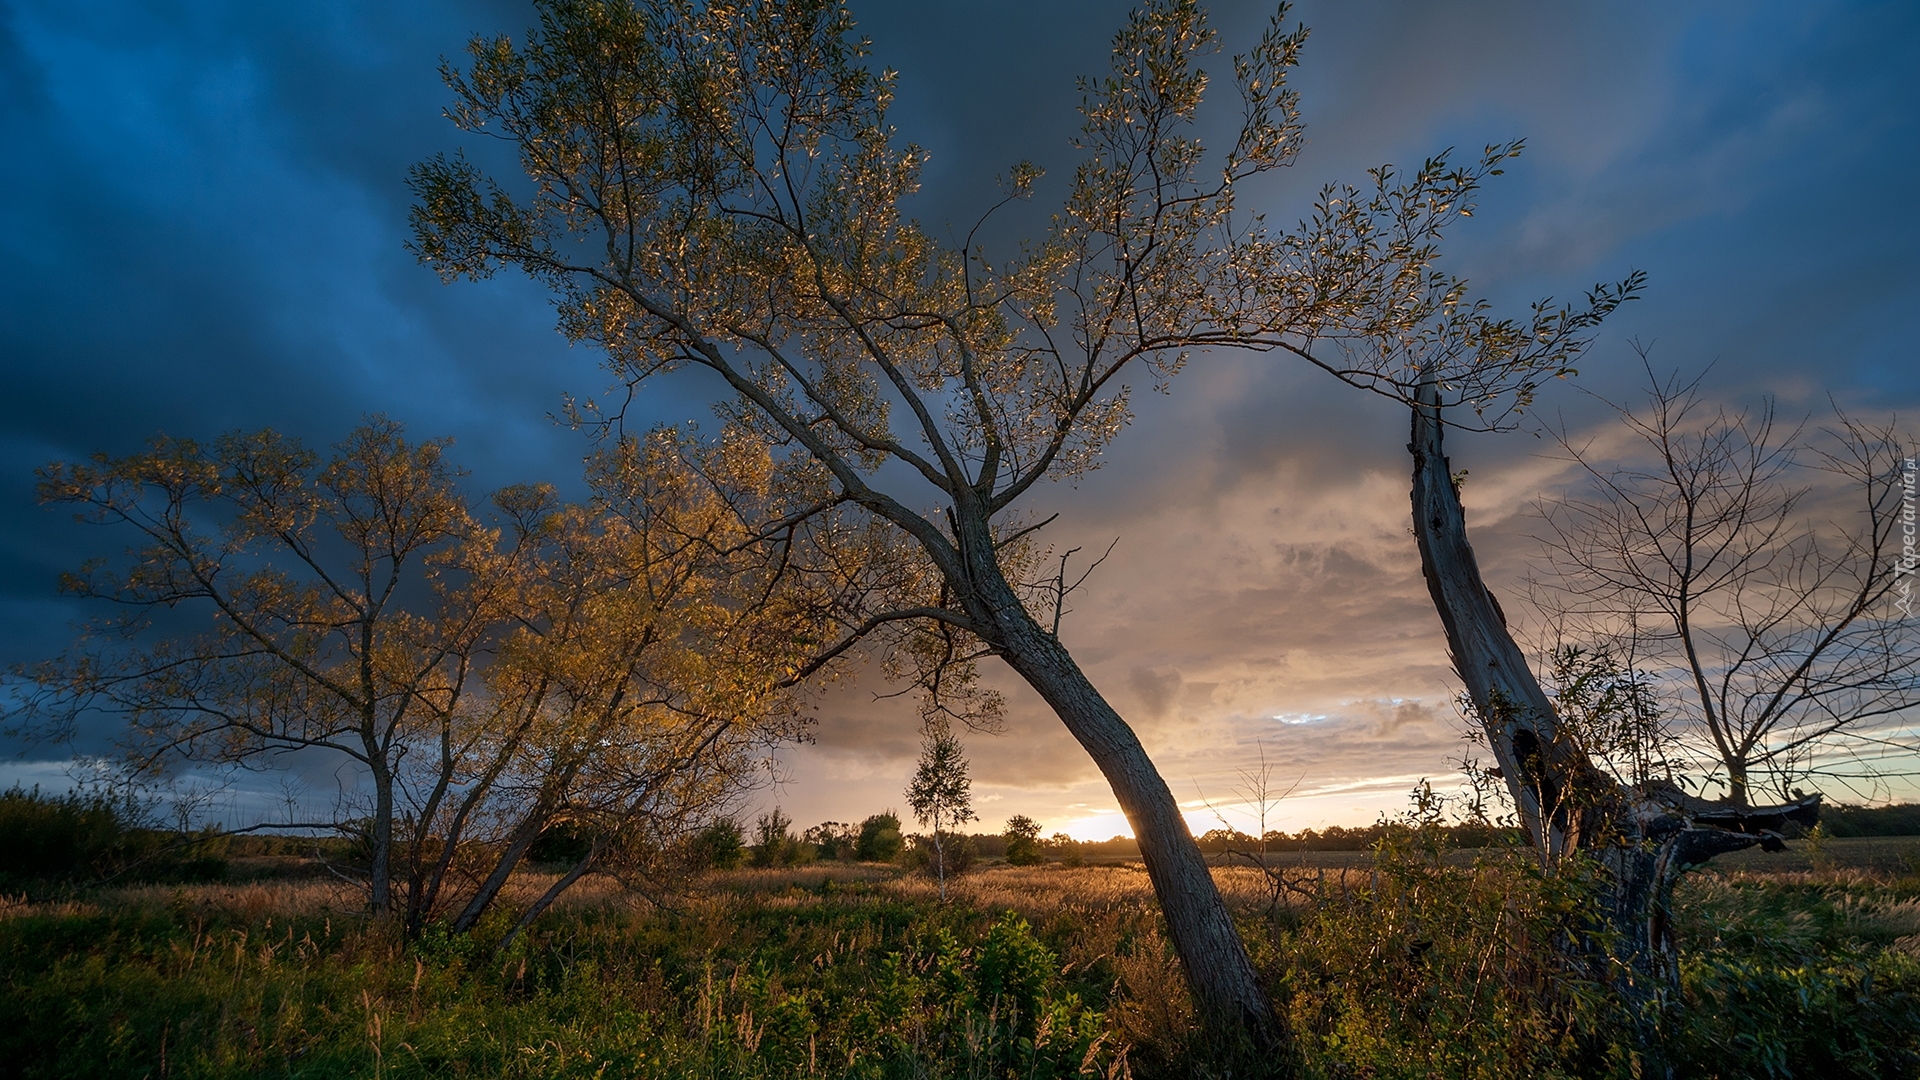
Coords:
pixel 1341 838
pixel 1900 819
pixel 1224 841
pixel 79 838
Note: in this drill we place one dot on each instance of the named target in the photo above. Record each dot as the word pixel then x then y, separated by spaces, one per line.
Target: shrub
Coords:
pixel 1428 968
pixel 76 838
pixel 1845 1017
pixel 832 840
pixel 774 843
pixel 1023 841
pixel 880 839
pixel 720 846
pixel 956 849
pixel 60 838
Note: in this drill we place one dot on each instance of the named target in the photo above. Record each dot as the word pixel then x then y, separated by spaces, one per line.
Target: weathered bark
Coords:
pixel 1644 838
pixel 940 863
pixel 380 870
pixel 1226 988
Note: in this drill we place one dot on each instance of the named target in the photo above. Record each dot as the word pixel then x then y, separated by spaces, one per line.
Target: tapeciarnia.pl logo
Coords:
pixel 1908 558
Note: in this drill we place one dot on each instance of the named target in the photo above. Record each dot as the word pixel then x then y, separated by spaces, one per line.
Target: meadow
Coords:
pixel 1411 961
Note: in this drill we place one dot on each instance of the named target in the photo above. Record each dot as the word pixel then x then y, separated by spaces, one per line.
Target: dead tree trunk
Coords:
pixel 1642 837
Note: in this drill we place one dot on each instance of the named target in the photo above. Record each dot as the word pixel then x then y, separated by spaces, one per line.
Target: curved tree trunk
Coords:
pixel 1644 837
pixel 1225 986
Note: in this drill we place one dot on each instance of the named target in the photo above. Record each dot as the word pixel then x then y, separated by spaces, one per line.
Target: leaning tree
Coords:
pixel 716 188
pixel 1452 364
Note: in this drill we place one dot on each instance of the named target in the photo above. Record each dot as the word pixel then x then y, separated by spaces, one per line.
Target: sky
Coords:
pixel 202 228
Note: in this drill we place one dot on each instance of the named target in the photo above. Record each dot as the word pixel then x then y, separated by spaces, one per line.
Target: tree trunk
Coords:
pixel 1225 986
pixel 522 841
pixel 1643 838
pixel 380 872
pixel 565 882
pixel 939 861
pixel 1739 793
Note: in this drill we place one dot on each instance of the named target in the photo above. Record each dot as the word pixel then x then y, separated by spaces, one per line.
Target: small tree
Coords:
pixel 941 793
pixel 285 579
pixel 773 840
pixel 879 839
pixel 1023 841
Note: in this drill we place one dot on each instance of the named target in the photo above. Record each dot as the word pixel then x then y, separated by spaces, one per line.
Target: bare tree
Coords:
pixel 718 189
pixel 1751 567
pixel 1453 364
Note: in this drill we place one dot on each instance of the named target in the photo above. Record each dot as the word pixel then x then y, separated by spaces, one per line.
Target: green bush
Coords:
pixel 955 856
pixel 1841 1018
pixel 720 846
pixel 76 839
pixel 880 839
pixel 57 838
pixel 774 843
pixel 1023 841
pixel 1433 969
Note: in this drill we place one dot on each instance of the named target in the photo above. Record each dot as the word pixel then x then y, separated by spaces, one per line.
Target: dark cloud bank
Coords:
pixel 202 217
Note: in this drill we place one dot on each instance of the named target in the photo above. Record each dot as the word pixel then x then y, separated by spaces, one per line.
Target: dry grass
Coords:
pixel 253 900
pixel 813 876
pixel 13 907
pixel 1100 922
pixel 1036 893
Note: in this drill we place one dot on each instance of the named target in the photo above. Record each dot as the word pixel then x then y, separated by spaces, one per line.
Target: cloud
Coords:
pixel 202 220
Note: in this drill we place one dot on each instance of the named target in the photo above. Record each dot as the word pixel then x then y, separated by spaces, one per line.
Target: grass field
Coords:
pixel 1889 854
pixel 1409 966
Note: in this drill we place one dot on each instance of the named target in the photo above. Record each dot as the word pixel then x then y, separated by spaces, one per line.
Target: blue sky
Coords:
pixel 202 219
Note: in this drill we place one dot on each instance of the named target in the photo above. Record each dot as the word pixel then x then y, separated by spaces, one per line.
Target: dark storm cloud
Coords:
pixel 202 219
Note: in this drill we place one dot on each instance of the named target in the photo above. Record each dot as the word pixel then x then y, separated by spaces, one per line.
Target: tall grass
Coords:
pixel 844 980
pixel 1416 966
